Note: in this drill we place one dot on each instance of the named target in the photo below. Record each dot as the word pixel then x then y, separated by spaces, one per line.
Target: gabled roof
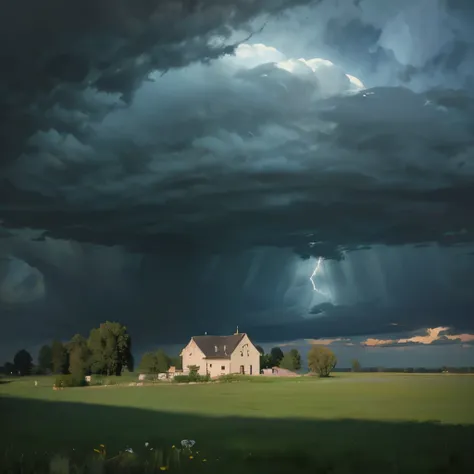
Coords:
pixel 225 345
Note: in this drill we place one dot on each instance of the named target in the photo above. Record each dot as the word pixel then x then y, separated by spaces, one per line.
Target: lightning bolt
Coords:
pixel 316 270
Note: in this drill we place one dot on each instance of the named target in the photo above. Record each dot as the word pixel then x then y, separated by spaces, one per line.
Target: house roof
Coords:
pixel 218 347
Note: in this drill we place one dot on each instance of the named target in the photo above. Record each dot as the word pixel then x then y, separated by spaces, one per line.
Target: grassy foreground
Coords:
pixel 348 423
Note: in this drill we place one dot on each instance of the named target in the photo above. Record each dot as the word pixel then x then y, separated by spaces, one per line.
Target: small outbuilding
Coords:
pixel 279 372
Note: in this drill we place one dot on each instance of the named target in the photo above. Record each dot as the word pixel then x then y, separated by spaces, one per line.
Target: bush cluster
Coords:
pixel 69 380
pixel 230 378
pixel 102 380
pixel 192 377
pixel 152 378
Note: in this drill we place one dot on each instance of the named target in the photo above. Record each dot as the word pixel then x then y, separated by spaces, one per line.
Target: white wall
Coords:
pixel 192 355
pixel 217 367
pixel 247 355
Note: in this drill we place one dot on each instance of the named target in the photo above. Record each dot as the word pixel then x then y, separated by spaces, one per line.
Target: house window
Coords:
pixel 210 365
pixel 222 367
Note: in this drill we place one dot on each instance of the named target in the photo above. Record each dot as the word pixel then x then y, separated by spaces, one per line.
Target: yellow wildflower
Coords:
pixel 163 468
pixel 97 451
pixel 204 460
pixel 191 457
pixel 173 447
pixel 102 445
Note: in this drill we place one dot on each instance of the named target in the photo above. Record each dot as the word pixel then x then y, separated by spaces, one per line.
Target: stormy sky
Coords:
pixel 303 169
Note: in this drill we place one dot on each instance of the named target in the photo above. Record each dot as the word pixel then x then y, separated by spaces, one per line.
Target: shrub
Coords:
pixel 36 370
pixel 229 378
pixel 97 380
pixel 193 373
pixel 155 378
pixel 191 378
pixel 181 379
pixel 321 360
pixel 69 381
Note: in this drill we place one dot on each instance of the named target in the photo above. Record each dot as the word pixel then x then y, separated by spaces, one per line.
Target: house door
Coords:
pixel 250 371
pixel 242 369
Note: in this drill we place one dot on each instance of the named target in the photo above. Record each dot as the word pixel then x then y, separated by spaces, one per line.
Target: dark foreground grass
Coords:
pixel 366 424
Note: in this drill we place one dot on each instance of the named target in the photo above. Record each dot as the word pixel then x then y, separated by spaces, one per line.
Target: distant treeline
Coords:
pixel 107 351
pixel 290 360
pixel 411 370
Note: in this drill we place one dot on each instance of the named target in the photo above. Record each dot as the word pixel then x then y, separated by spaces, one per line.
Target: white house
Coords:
pixel 221 355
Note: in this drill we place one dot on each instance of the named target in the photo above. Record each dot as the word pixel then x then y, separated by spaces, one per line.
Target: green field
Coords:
pixel 351 422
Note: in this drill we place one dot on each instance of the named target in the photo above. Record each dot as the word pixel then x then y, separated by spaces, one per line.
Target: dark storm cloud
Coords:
pixel 440 55
pixel 397 169
pixel 163 299
pixel 149 157
pixel 415 43
pixel 19 282
pixel 242 149
pixel 55 54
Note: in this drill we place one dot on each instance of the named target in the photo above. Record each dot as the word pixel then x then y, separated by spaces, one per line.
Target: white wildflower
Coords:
pixel 188 443
pixel 146 444
pixel 129 450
